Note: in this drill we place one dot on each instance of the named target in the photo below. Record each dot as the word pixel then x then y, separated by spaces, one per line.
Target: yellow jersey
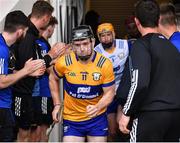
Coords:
pixel 83 83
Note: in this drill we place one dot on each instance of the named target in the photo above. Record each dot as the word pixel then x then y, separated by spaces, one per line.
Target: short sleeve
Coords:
pixel 108 74
pixel 59 67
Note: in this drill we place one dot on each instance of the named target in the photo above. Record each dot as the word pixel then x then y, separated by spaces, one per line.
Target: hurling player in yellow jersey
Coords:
pixel 89 87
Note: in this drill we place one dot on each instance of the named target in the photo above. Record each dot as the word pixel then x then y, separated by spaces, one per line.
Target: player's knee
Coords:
pixel 23 135
pixel 113 133
pixel 112 130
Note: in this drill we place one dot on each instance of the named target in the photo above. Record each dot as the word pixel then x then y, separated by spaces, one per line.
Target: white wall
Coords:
pixel 9 5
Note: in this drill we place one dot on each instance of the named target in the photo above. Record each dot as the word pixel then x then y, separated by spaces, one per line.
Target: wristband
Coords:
pixel 58 104
pixel 47 60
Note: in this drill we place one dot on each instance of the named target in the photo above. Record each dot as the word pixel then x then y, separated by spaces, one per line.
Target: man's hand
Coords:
pixel 123 123
pixel 38 72
pixel 65 50
pixel 58 49
pixel 92 111
pixel 55 113
pixel 58 112
pixel 119 113
pixel 33 65
pixel 68 49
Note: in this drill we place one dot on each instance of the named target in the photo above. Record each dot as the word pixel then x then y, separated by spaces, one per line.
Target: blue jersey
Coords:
pixel 44 80
pixel 175 39
pixel 130 42
pixel 5 94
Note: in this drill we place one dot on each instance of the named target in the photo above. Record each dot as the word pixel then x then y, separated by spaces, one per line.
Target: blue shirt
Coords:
pixel 130 42
pixel 175 39
pixel 5 94
pixel 44 80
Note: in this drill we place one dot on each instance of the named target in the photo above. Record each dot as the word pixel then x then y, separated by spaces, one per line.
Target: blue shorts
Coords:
pixel 97 126
pixel 112 108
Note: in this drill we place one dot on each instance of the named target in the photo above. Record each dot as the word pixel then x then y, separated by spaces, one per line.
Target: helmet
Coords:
pixel 105 27
pixel 82 32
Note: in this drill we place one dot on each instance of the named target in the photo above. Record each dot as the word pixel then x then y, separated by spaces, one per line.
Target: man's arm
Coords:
pixel 124 85
pixel 140 78
pixel 141 63
pixel 30 67
pixel 54 87
pixel 7 80
pixel 107 98
pixel 108 85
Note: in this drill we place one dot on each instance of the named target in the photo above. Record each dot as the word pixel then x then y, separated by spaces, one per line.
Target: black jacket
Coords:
pixel 155 82
pixel 27 48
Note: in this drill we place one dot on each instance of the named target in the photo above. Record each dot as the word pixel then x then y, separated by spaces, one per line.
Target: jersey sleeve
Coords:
pixel 97 49
pixel 125 84
pixel 140 77
pixel 108 74
pixel 59 67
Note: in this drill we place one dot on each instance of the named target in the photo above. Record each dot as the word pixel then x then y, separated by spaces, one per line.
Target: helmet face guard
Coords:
pixel 81 33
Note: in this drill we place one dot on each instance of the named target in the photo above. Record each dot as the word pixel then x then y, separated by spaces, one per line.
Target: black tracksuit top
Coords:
pixel 155 76
pixel 24 50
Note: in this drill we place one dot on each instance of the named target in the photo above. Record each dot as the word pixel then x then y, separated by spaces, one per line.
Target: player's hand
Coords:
pixel 39 71
pixel 123 123
pixel 68 49
pixel 92 111
pixel 55 113
pixel 33 65
pixel 57 50
pixel 119 113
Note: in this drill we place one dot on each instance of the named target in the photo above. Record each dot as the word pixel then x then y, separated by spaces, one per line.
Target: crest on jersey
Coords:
pixel 121 55
pixel 96 76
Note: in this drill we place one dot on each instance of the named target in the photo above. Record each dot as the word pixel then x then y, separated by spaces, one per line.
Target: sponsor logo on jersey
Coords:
pixel 71 74
pixel 83 96
pixel 83 89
